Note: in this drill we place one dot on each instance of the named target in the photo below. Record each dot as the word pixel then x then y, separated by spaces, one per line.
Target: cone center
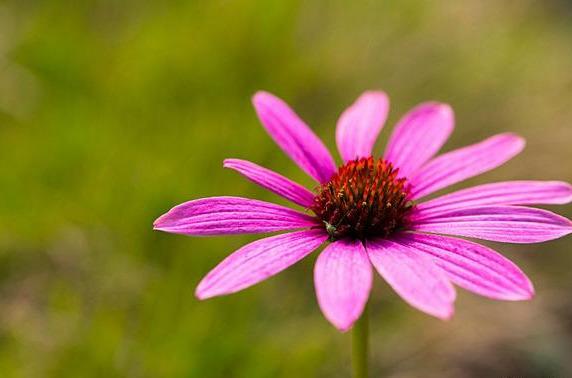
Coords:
pixel 364 199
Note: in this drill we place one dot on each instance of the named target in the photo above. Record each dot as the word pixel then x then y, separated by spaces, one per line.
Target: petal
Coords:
pixel 419 135
pixel 294 136
pixel 343 278
pixel 473 266
pixel 230 215
pixel 461 164
pixel 360 124
pixel 258 261
pixel 500 193
pixel 272 181
pixel 414 276
pixel 510 224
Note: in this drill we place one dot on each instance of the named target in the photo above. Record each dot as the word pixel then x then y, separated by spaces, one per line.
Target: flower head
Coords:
pixel 371 213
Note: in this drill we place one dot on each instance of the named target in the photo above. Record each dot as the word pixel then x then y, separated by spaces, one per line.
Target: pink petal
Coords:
pixel 360 124
pixel 258 261
pixel 294 136
pixel 272 181
pixel 414 276
pixel 343 278
pixel 230 215
pixel 500 193
pixel 419 135
pixel 511 224
pixel 473 267
pixel 461 164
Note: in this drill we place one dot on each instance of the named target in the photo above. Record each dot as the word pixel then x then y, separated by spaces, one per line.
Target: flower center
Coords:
pixel 363 199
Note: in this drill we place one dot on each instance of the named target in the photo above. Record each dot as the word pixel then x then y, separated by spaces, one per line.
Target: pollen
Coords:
pixel 365 198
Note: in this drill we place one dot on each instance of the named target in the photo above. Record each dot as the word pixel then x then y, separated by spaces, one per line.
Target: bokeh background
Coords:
pixel 112 111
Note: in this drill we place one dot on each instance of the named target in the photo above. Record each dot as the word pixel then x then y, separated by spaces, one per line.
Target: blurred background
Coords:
pixel 112 111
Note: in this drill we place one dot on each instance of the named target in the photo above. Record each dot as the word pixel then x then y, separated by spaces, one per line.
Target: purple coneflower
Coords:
pixel 370 213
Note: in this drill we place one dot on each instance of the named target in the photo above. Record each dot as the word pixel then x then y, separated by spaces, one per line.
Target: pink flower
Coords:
pixel 371 214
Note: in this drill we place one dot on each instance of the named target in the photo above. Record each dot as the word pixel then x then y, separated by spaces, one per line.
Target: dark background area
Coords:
pixel 111 112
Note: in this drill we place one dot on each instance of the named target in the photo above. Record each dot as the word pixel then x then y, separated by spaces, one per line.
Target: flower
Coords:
pixel 371 212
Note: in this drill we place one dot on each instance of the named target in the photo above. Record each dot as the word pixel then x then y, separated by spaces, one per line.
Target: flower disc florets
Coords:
pixel 365 198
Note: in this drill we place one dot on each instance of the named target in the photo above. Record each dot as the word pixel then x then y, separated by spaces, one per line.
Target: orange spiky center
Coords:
pixel 365 198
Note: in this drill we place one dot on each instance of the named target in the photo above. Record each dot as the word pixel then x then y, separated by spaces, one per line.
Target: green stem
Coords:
pixel 360 336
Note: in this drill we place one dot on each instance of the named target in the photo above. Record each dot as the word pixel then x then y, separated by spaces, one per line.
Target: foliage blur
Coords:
pixel 112 111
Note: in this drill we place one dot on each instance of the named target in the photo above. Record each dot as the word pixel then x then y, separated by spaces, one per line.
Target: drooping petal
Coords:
pixel 512 224
pixel 294 136
pixel 414 276
pixel 230 215
pixel 360 124
pixel 472 266
pixel 461 164
pixel 343 277
pixel 418 136
pixel 272 181
pixel 500 193
pixel 258 261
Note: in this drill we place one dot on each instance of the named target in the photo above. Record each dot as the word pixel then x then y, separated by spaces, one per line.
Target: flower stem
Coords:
pixel 360 341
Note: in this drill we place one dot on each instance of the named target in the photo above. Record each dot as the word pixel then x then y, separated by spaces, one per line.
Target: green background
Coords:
pixel 111 112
